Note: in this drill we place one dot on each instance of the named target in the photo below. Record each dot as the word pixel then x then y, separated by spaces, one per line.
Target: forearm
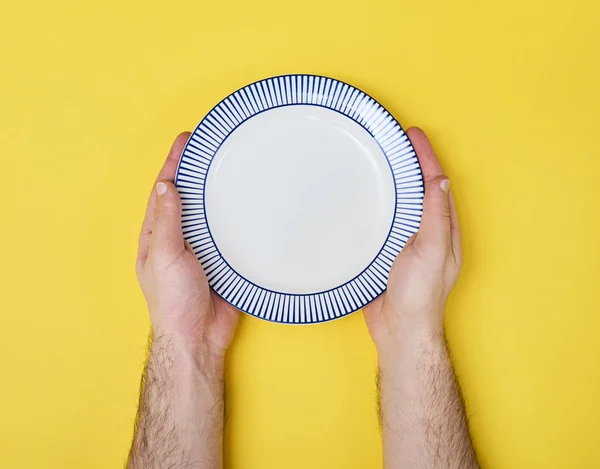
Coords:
pixel 423 416
pixel 180 417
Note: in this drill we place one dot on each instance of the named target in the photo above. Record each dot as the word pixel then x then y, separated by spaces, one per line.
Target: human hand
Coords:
pixel 426 270
pixel 181 303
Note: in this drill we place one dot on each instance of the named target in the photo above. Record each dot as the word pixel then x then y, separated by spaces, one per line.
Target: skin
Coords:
pixel 422 413
pixel 180 417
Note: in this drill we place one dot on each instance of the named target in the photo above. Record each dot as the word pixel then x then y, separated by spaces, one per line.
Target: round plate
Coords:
pixel 298 193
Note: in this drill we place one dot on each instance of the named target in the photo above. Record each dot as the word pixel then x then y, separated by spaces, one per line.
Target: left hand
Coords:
pixel 181 303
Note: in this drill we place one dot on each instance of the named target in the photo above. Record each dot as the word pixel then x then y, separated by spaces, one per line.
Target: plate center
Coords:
pixel 299 199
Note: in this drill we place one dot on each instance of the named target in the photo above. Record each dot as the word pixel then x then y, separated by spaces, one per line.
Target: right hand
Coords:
pixel 427 269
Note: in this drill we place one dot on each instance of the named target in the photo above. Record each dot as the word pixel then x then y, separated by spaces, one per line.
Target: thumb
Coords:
pixel 167 235
pixel 435 224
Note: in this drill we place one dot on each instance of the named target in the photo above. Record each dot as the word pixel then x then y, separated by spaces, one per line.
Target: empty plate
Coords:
pixel 298 193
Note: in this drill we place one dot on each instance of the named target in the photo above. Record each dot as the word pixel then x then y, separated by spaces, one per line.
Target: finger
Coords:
pixel 169 169
pixel 435 223
pixel 167 173
pixel 410 241
pixel 226 317
pixel 222 306
pixel 375 319
pixel 430 165
pixel 188 247
pixel 373 308
pixel 167 236
pixel 455 232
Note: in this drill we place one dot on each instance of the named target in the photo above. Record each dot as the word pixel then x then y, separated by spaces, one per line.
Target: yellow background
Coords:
pixel 92 94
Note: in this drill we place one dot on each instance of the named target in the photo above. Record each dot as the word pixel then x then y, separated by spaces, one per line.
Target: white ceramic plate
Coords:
pixel 298 193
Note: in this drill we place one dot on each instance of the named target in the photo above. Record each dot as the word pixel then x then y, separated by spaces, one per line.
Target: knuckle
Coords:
pixel 433 251
pixel 444 211
pixel 435 182
pixel 139 268
pixel 439 255
pixel 166 258
pixel 164 252
pixel 171 204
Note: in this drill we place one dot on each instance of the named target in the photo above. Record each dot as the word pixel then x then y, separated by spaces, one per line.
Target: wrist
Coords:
pixel 189 356
pixel 409 340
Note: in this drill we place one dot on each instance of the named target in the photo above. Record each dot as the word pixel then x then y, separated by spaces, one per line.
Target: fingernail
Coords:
pixel 445 185
pixel 161 188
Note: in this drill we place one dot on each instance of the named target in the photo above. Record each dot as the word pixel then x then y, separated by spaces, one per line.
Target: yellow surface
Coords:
pixel 91 95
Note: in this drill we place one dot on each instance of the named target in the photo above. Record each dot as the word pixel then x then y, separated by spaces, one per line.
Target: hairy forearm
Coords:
pixel 180 416
pixel 422 413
